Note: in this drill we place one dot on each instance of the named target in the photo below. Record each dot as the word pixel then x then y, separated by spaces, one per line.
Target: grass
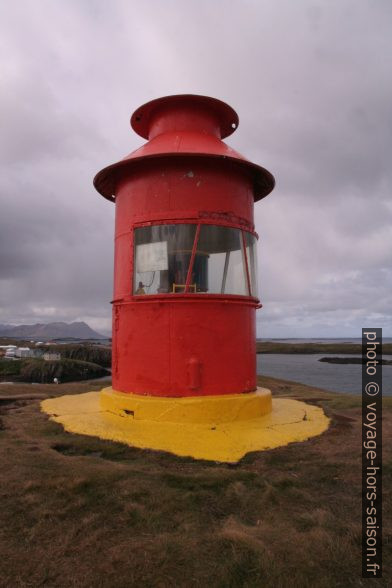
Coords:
pixel 39 370
pixel 80 512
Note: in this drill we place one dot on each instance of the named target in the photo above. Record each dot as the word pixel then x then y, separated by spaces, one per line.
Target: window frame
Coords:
pixel 187 292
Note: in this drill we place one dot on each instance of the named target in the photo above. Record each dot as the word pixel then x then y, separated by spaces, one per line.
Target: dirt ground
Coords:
pixel 80 512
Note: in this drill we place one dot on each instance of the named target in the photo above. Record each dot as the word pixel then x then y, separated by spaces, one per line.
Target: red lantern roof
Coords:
pixel 184 125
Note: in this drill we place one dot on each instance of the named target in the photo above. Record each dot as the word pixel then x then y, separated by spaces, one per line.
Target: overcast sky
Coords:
pixel 312 84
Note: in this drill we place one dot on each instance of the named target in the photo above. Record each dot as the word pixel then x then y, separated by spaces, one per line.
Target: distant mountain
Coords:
pixel 58 330
pixel 5 328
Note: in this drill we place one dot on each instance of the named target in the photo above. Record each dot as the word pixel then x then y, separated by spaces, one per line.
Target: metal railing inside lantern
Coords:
pixel 190 258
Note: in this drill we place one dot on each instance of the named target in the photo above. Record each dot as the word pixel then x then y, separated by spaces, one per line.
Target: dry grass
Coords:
pixel 80 512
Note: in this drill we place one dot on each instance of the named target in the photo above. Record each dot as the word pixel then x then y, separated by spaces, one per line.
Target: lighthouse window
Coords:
pixel 221 267
pixel 209 259
pixel 162 257
pixel 251 254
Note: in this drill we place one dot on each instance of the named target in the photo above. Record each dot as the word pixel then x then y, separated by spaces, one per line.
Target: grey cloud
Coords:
pixel 311 83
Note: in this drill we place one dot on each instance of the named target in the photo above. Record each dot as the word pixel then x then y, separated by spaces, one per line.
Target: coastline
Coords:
pixel 315 348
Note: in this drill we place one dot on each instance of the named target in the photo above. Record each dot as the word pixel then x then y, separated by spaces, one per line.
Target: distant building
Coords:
pixel 51 356
pixel 7 351
pixel 23 352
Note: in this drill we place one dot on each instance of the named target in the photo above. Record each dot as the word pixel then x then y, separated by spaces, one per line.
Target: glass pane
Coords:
pixel 162 256
pixel 251 253
pixel 219 266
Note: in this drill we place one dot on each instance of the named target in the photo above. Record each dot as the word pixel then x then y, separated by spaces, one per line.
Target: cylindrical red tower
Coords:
pixel 185 278
pixel 185 297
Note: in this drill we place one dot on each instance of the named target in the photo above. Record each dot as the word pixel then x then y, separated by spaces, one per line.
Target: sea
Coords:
pixel 307 369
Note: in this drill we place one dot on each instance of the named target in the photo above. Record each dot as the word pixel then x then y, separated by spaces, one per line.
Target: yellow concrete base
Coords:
pixel 215 428
pixel 189 409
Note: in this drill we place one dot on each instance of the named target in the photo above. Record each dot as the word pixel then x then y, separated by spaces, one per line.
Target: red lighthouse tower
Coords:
pixel 185 296
pixel 185 279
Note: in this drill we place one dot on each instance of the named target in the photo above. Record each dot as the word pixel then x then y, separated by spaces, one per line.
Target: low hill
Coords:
pixel 100 354
pixel 38 370
pixel 309 348
pixel 56 330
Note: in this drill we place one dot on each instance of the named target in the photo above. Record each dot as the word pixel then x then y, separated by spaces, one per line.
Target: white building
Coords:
pixel 51 356
pixel 23 352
